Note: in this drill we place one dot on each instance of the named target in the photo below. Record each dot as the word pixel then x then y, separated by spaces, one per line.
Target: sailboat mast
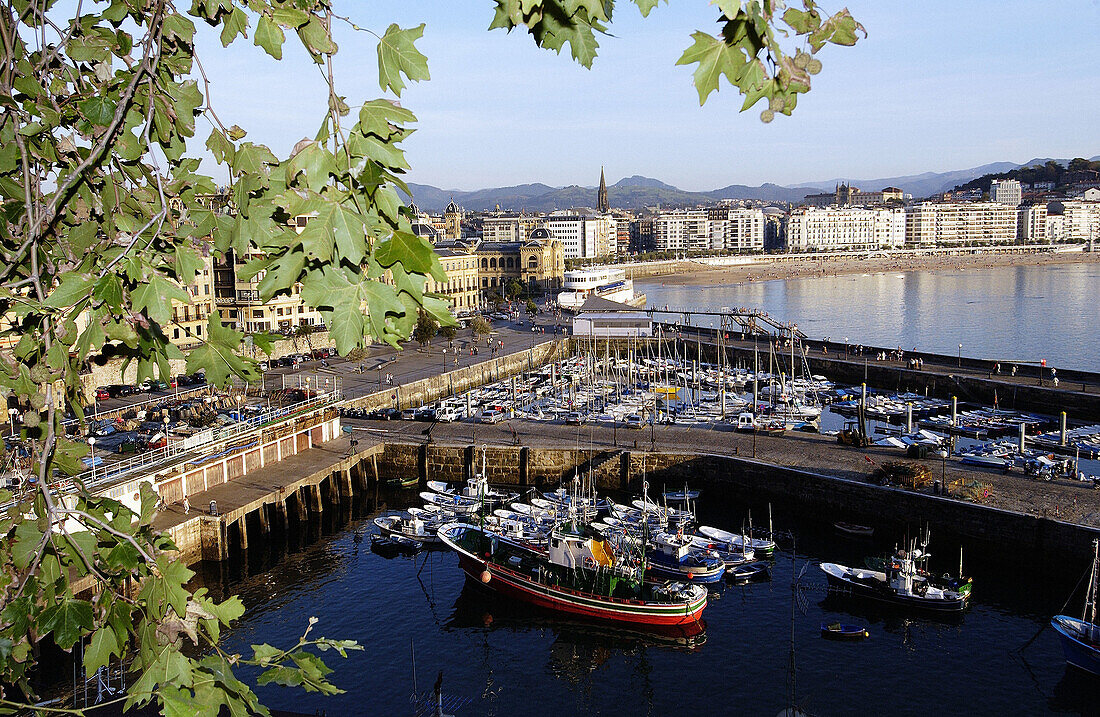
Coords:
pixel 1089 613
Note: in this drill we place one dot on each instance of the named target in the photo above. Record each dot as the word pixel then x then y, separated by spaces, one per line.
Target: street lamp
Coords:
pixel 167 420
pixel 91 447
pixel 240 398
pixel 943 471
pixel 444 359
pixel 960 355
pixel 11 419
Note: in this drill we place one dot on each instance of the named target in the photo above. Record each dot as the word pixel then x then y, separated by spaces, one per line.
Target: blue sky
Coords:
pixel 936 86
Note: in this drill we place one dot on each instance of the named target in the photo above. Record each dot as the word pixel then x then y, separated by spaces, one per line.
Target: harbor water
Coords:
pixel 1008 314
pixel 499 658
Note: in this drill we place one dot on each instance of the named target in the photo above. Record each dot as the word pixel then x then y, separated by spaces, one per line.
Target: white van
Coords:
pixel 448 414
pixel 746 422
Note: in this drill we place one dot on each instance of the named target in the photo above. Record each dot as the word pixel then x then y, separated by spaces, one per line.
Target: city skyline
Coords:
pixel 924 92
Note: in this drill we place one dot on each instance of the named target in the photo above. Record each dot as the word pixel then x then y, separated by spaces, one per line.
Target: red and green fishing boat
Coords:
pixel 581 573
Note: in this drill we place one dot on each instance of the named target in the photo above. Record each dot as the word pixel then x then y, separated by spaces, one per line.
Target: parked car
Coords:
pixel 182 380
pixel 102 393
pixel 426 413
pixel 491 415
pixel 574 418
pixel 198 378
pixel 118 390
pixel 385 414
pixel 408 414
pixel 263 365
pixel 634 420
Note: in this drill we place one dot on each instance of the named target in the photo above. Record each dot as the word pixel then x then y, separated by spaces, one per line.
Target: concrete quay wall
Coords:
pixel 825 495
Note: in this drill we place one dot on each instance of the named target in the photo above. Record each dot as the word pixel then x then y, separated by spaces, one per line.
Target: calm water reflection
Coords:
pixel 1023 313
pixel 506 659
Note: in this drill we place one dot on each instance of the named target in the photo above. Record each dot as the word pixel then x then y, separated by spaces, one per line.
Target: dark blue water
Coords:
pixel 999 658
pixel 1011 314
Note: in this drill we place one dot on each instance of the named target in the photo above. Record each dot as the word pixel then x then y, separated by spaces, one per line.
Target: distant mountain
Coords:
pixel 639 181
pixel 638 192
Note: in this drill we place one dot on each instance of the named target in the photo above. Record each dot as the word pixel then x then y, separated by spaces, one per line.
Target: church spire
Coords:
pixel 602 205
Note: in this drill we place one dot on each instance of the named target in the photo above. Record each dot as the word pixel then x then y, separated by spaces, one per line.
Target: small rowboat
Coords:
pixel 854 528
pixel 837 631
pixel 747 573
pixel 390 546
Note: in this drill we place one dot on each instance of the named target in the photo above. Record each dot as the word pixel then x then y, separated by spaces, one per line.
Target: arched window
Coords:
pixel 510 264
pixel 484 263
pixel 493 263
pixel 533 262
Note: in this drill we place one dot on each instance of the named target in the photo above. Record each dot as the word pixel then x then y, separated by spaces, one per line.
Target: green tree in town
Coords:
pixel 425 330
pixel 448 332
pixel 531 307
pixel 515 289
pixel 106 219
pixel 480 326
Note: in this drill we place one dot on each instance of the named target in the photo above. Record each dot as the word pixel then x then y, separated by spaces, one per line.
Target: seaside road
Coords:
pixel 1065 500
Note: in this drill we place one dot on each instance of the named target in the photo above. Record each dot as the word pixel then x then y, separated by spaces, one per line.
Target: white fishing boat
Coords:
pixel 734 541
pixel 409 526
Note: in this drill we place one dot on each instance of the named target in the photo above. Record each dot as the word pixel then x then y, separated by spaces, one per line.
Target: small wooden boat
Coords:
pixel 390 546
pixel 1080 637
pixel 854 529
pixel 747 572
pixel 837 631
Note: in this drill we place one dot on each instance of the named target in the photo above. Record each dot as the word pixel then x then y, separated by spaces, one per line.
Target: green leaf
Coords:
pixel 103 645
pixel 350 233
pixel 27 539
pixel 645 6
pixel 383 118
pixel 281 274
pixel 67 620
pixel 73 288
pixel 397 55
pixel 314 161
pixel 219 145
pixel 316 39
pixel 411 251
pixel 98 110
pixel 715 58
pixel 270 37
pixel 233 24
pixel 156 296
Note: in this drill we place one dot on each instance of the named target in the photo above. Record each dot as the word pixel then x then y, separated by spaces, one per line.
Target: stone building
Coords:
pixel 538 263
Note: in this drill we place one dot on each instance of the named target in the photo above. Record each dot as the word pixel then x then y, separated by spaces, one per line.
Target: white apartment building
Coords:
pixel 961 223
pixel 737 230
pixel 581 236
pixel 839 229
pixel 1031 224
pixel 681 230
pixel 1078 221
pixel 1006 191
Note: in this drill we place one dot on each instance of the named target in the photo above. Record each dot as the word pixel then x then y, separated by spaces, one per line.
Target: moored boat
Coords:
pixel 903 581
pixel 1080 637
pixel 838 631
pixel 854 529
pixel 763 547
pixel 407 525
pixel 580 575
pixel 675 557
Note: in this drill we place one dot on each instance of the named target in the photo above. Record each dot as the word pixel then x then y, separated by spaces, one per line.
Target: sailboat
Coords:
pixel 1081 637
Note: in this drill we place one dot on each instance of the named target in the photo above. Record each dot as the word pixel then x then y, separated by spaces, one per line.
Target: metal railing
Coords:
pixel 97 477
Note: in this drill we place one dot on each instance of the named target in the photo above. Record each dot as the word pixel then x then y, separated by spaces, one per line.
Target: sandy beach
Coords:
pixel 691 273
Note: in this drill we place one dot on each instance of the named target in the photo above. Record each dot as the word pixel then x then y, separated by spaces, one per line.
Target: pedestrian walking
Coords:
pixel 186 506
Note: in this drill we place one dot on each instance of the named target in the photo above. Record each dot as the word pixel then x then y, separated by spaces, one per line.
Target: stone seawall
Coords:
pixel 452 383
pixel 805 490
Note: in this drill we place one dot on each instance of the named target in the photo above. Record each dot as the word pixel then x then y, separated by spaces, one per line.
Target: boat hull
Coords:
pixel 859 589
pixel 1078 653
pixel 636 612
